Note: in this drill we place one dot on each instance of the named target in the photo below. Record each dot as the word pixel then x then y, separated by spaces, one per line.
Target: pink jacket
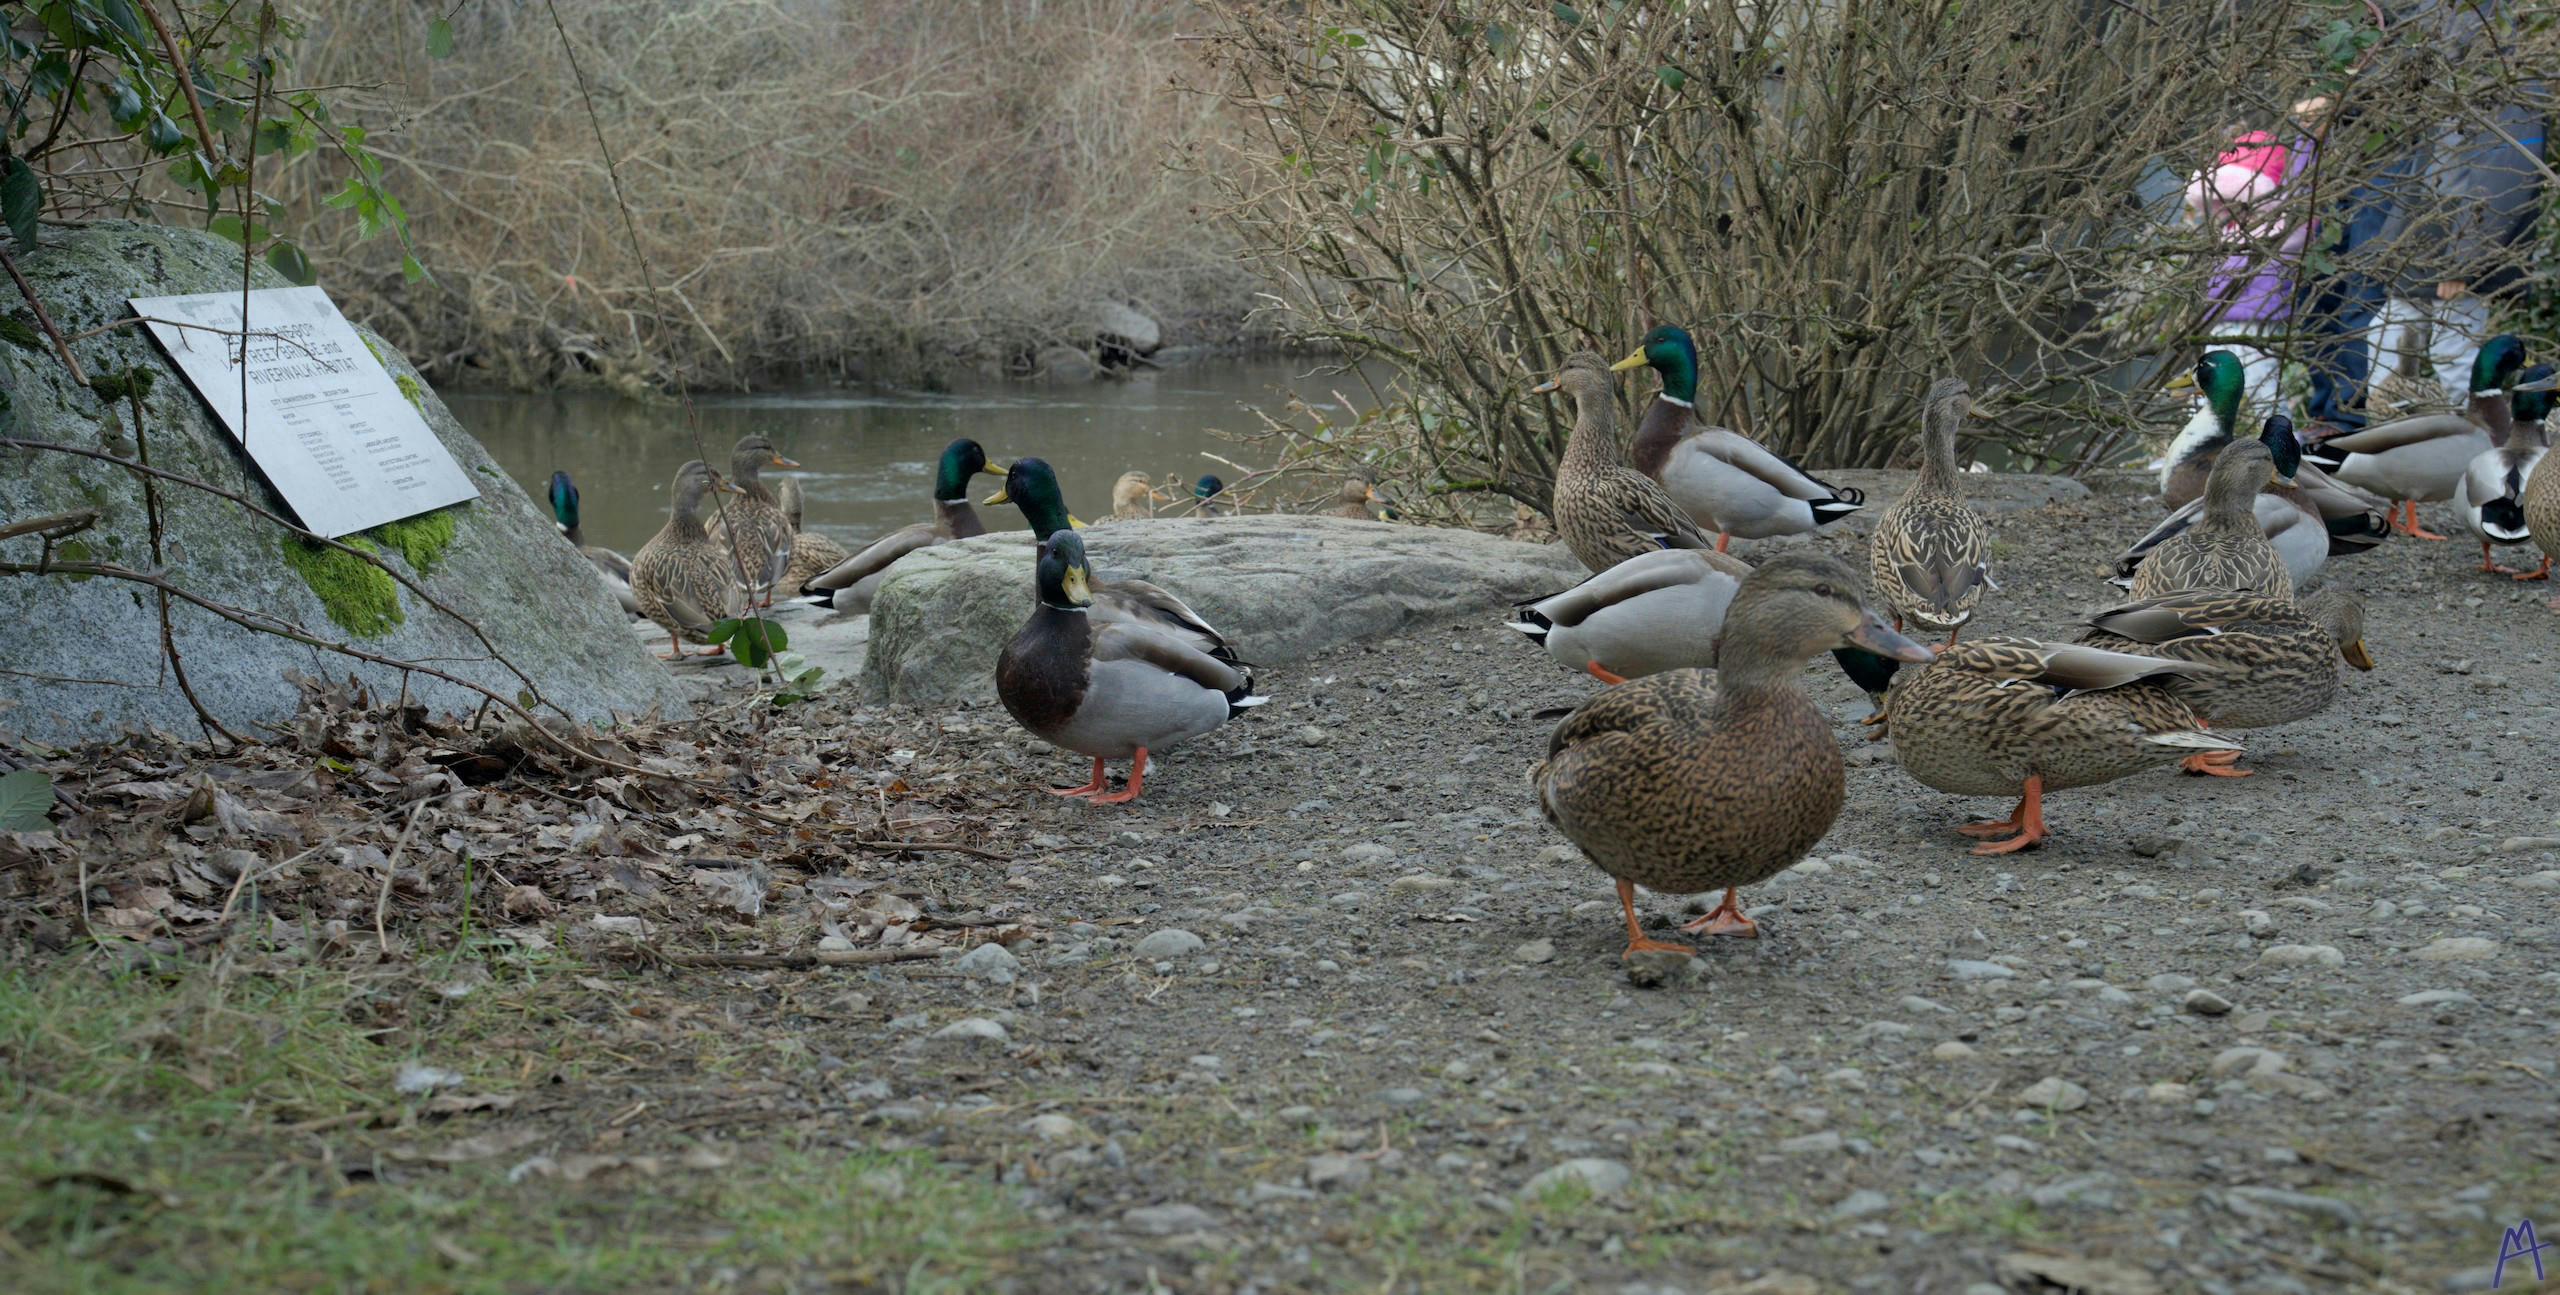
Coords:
pixel 2240 197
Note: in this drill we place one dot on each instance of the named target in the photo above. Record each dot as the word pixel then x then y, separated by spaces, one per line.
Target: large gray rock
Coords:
pixel 1279 588
pixel 505 565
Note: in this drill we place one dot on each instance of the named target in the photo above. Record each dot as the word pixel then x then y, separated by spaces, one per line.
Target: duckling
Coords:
pixel 1607 513
pixel 1687 781
pixel 1210 491
pixel 1355 499
pixel 1134 497
pixel 2282 659
pixel 2310 519
pixel 1032 486
pixel 1724 479
pixel 849 585
pixel 1928 556
pixel 1653 612
pixel 812 554
pixel 2422 459
pixel 1109 689
pixel 762 532
pixel 2492 491
pixel 2226 548
pixel 614 568
pixel 682 578
pixel 1997 716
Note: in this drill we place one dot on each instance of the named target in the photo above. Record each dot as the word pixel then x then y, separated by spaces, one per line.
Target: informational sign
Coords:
pixel 323 419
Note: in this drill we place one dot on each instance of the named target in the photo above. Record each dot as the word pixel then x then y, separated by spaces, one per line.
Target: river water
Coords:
pixel 867 455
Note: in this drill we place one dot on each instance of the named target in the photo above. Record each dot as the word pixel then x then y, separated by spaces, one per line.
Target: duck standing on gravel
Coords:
pixel 1109 689
pixel 1929 558
pixel 2422 459
pixel 684 579
pixel 2280 661
pixel 2226 548
pixel 849 585
pixel 1687 781
pixel 1607 512
pixel 1725 480
pixel 2491 495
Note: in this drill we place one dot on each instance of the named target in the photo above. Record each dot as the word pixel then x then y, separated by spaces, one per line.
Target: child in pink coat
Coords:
pixel 2240 198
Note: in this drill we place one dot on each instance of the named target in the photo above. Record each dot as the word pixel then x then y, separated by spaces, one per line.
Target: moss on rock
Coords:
pixel 422 539
pixel 361 598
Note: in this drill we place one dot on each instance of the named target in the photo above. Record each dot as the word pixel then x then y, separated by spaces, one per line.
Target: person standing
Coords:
pixel 2455 249
pixel 2240 198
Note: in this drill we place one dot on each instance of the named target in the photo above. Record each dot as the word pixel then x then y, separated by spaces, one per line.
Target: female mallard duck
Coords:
pixel 2003 716
pixel 1211 492
pixel 2282 660
pixel 2542 511
pixel 2310 519
pixel 1032 486
pixel 1927 556
pixel 612 566
pixel 1109 689
pixel 2492 491
pixel 682 578
pixel 1134 497
pixel 812 554
pixel 1726 480
pixel 1355 499
pixel 849 584
pixel 1688 781
pixel 1653 612
pixel 1607 513
pixel 2226 548
pixel 761 531
pixel 2422 459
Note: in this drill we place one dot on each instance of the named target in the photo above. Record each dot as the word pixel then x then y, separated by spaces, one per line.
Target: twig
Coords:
pixel 44 320
pixel 56 526
pixel 168 636
pixel 772 961
pixel 184 75
pixel 912 846
pixel 382 898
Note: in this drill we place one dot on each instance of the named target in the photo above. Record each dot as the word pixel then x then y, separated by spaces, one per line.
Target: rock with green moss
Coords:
pixel 85 652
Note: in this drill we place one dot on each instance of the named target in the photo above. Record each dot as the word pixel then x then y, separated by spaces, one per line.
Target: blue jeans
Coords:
pixel 2338 321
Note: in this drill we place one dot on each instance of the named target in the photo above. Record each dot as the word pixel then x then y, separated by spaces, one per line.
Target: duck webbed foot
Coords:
pixel 1137 781
pixel 1637 940
pixel 1099 784
pixel 1726 918
pixel 2027 820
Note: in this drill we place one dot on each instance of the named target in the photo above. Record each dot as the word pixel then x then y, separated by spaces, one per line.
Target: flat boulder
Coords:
pixel 1279 587
pixel 86 650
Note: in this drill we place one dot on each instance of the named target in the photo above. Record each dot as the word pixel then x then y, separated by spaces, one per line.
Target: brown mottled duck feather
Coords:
pixel 682 579
pixel 1927 559
pixel 1989 713
pixel 755 517
pixel 812 554
pixel 1608 512
pixel 2227 548
pixel 2281 660
pixel 2542 504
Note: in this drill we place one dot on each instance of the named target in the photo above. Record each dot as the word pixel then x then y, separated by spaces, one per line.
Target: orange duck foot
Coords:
pixel 1099 784
pixel 2542 572
pixel 2027 820
pixel 2220 764
pixel 1602 673
pixel 2405 520
pixel 1137 782
pixel 1637 940
pixel 1725 918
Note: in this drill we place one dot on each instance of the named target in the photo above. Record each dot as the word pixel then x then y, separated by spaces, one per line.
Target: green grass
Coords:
pixel 148 1141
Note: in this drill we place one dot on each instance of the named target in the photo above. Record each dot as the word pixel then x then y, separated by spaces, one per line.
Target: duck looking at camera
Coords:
pixel 1032 486
pixel 2492 491
pixel 684 580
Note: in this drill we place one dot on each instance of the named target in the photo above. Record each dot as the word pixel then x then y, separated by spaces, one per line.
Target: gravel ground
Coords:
pixel 1331 1008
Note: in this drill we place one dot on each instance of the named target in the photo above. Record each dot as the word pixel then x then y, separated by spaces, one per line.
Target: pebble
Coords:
pixel 1534 951
pixel 2169 983
pixel 2055 1093
pixel 2302 955
pixel 1915 1003
pixel 970 1031
pixel 2169 1090
pixel 1168 942
pixel 1263 1192
pixel 2460 948
pixel 1969 969
pixel 2328 1207
pixel 1602 1177
pixel 1056 1128
pixel 2436 998
pixel 1951 1050
pixel 1419 883
pixel 990 961
pixel 1366 852
pixel 2254 1061
pixel 2085 1189
pixel 1401 1097
pixel 2204 1002
pixel 1827 1142
pixel 1560 856
pixel 2540 881
pixel 1166 1220
pixel 2528 844
pixel 1310 735
pixel 1861 1203
pixel 1336 1173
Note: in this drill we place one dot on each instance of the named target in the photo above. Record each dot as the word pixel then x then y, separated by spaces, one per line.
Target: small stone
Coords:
pixel 2328 1207
pixel 1951 1050
pixel 1535 951
pixel 2436 998
pixel 2253 1022
pixel 1915 1003
pixel 1263 1192
pixel 1296 1114
pixel 2540 881
pixel 1861 1203
pixel 1560 856
pixel 2086 1189
pixel 1310 735
pixel 1056 1128
pixel 1827 1142
pixel 1654 968
pixel 990 961
pixel 1168 1220
pixel 970 1031
pixel 1168 942
pixel 1336 1173
pixel 2528 844
pixel 2460 948
pixel 2053 1093
pixel 2169 983
pixel 2235 1061
pixel 2204 1002
pixel 1970 969
pixel 1402 1097
pixel 1366 852
pixel 2168 1090
pixel 1418 883
pixel 1601 1177
pixel 2302 955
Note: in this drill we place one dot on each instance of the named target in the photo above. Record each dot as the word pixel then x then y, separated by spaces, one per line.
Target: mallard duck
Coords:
pixel 2492 491
pixel 1208 490
pixel 762 531
pixel 1928 557
pixel 2542 511
pixel 1355 499
pixel 1607 513
pixel 2310 519
pixel 1113 690
pixel 614 568
pixel 1653 612
pixel 1728 482
pixel 849 584
pixel 812 554
pixel 1687 781
pixel 2421 459
pixel 2003 716
pixel 1134 497
pixel 2226 548
pixel 2220 380
pixel 2282 660
pixel 683 579
pixel 1032 486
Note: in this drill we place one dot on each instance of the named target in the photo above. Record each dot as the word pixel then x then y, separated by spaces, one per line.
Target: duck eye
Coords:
pixel 1823 589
